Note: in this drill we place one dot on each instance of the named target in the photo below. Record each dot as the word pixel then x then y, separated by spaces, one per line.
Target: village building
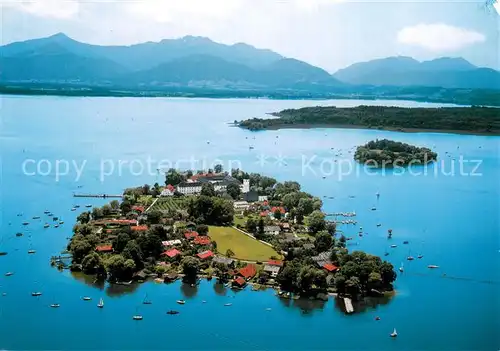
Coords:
pixel 104 248
pixel 330 267
pixel 241 205
pixel 239 282
pixel 205 255
pixel 272 270
pixel 220 182
pixel 139 228
pixel 171 253
pixel 262 198
pixel 191 235
pixel 202 240
pixel 229 262
pixel 322 259
pixel 272 230
pixel 171 243
pixel 248 272
pixel 251 196
pixel 169 190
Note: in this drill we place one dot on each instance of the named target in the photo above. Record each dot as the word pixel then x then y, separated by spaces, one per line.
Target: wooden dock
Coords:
pixel 348 305
pixel 98 196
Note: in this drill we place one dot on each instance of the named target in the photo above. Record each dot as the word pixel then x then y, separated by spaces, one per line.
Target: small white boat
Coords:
pixel 61 222
pixel 46 211
pixel 137 317
pixel 181 302
pixel 55 305
pixel 36 293
pixel 394 333
pixel 36 217
pixel 86 298
pixel 77 206
pixel 73 209
pixel 410 258
pixel 420 256
pixel 374 208
pixel 432 266
pixel 26 223
pixel 228 304
pixel 394 245
pixel 88 206
pixel 401 269
pixel 56 226
pixel 379 225
pixel 101 303
pixel 46 225
pixel 31 251
pixel 8 274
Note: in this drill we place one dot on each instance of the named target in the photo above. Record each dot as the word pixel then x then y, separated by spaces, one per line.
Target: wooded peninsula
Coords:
pixel 467 120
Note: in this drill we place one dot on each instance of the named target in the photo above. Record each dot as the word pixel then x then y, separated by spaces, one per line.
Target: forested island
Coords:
pixel 473 120
pixel 382 153
pixel 236 227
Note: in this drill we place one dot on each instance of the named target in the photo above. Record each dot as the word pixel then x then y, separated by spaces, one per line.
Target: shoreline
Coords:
pixel 355 127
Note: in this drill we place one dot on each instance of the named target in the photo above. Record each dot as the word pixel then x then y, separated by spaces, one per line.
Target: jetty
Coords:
pixel 348 305
pixel 99 196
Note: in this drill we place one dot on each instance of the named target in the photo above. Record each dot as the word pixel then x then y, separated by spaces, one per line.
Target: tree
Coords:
pixel 173 177
pixel 229 253
pixel 83 229
pixel 374 280
pixel 233 190
pixel 339 283
pixel 79 248
pixel 133 251
pixel 207 189
pixel 218 168
pixel 154 216
pixel 146 189
pixel 125 206
pixel 331 227
pixel 91 263
pixel 287 278
pixel 119 268
pixel 251 225
pixel 306 278
pixel 323 241
pixel 83 217
pixel 115 204
pixel 202 229
pixel 190 266
pixel 353 287
pixel 260 226
pixel 97 213
pixel 305 206
pixel 106 210
pixel 150 244
pixel 120 242
pixel 316 221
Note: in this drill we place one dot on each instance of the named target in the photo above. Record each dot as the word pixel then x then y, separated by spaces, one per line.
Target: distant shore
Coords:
pixel 402 130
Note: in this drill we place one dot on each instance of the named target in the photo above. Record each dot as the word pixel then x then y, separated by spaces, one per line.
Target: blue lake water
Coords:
pixel 453 220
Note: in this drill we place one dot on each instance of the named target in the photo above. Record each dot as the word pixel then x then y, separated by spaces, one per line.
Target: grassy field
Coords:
pixel 244 247
pixel 168 203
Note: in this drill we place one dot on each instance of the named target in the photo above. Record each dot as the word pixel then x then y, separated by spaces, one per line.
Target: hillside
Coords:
pixel 404 71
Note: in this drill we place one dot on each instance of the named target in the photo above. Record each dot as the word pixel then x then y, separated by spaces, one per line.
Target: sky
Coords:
pixel 331 34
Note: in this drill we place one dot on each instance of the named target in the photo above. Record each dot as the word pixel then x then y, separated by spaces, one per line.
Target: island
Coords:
pixel 239 228
pixel 467 120
pixel 388 153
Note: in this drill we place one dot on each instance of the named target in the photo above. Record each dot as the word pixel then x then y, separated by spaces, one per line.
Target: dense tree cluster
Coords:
pixel 386 152
pixel 211 210
pixel 474 119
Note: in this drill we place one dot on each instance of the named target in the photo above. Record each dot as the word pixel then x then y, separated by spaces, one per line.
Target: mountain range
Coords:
pixel 200 62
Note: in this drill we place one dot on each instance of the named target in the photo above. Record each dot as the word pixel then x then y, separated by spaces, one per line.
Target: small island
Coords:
pixel 239 228
pixel 467 120
pixel 388 153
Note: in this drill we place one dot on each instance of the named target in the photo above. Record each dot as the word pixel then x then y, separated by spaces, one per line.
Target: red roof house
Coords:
pixel 191 235
pixel 281 209
pixel 205 255
pixel 240 282
pixel 275 263
pixel 104 248
pixel 171 253
pixel 264 213
pixel 139 228
pixel 202 240
pixel 248 271
pixel 171 188
pixel 138 208
pixel 330 267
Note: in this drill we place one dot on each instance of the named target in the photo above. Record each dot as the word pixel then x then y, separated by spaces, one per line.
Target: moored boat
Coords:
pixel 394 333
pixel 86 298
pixel 228 304
pixel 173 312
pixel 46 225
pixel 101 303
pixel 137 317
pixel 55 305
pixel 31 251
pixel 8 274
pixel 181 302
pixel 432 266
pixel 36 293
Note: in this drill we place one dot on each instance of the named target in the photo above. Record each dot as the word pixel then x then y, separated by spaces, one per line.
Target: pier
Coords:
pixel 348 305
pixel 98 196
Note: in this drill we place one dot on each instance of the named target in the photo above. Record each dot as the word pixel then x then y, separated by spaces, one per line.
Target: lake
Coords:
pixel 52 147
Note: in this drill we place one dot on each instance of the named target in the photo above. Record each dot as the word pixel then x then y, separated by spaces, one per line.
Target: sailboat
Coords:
pixel 101 303
pixel 146 301
pixel 410 257
pixel 137 316
pixel 394 333
pixel 401 269
pixel 389 233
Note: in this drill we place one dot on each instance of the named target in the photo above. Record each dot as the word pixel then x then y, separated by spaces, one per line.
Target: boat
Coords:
pixel 394 245
pixel 8 274
pixel 77 206
pixel 410 258
pixel 50 215
pixel 36 217
pixel 55 305
pixel 432 266
pixel 88 206
pixel 181 302
pixel 394 333
pixel 420 256
pixel 374 208
pixel 46 225
pixel 31 251
pixel 55 219
pixel 401 269
pixel 173 312
pixel 228 304
pixel 379 225
pixel 3 253
pixel 73 209
pixel 36 293
pixel 251 147
pixel 406 242
pixel 377 318
pixel 61 222
pixel 268 309
pixel 46 211
pixel 101 303
pixel 56 226
pixel 146 301
pixel 26 223
pixel 19 234
pixel 137 317
pixel 86 298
